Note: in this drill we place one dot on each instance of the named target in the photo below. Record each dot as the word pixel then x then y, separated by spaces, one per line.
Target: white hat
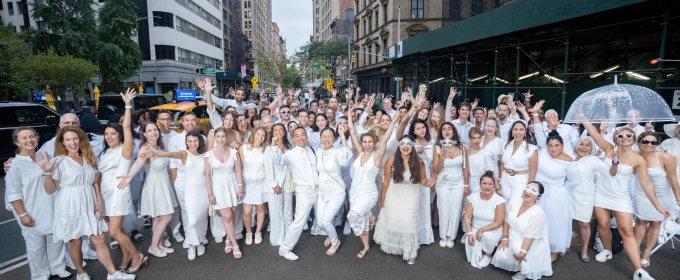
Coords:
pixel 500 97
pixel 670 129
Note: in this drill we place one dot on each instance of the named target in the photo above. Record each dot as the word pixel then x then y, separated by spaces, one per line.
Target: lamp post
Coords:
pixel 398 24
pixel 349 55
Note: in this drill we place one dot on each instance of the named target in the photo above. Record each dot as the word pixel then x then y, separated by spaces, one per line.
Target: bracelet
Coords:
pixel 469 233
pixel 99 198
pixel 504 239
pixel 128 106
pixel 535 115
pixel 47 173
pixel 466 185
pixel 523 251
pixel 239 185
pixel 23 215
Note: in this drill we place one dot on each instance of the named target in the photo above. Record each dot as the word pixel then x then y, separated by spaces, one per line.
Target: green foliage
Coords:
pixel 324 50
pixel 58 72
pixel 119 56
pixel 13 50
pixel 281 71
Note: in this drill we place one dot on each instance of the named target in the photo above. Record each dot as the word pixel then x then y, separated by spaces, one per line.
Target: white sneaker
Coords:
pixel 337 222
pixel 166 242
pixel 191 253
pixel 239 236
pixel 348 229
pixel 289 256
pixel 83 277
pixel 205 241
pixel 306 227
pixel 178 236
pixel 518 276
pixel 641 274
pixel 249 238
pixel 201 250
pixel 120 275
pixel 450 243
pixel 64 275
pixel 90 254
pixel 484 261
pixel 442 243
pixel 219 240
pixel 258 238
pixel 603 256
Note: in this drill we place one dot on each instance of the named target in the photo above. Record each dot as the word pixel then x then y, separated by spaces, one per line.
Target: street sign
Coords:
pixel 315 66
pixel 398 79
pixel 209 71
pixel 135 75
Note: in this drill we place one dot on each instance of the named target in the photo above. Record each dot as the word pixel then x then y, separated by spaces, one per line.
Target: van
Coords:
pixel 113 104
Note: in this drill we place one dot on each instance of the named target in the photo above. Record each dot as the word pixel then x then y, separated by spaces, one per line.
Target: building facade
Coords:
pixel 327 13
pixel 276 43
pixel 257 26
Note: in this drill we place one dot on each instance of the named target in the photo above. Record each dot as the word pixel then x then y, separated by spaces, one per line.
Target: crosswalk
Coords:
pixel 12 247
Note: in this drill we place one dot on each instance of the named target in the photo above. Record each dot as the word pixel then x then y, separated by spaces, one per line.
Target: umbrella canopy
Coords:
pixel 620 103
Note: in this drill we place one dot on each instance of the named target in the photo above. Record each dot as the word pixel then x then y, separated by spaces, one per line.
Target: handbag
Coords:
pixel 211 208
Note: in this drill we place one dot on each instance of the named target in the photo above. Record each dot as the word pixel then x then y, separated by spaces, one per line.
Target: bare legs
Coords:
pixel 117 233
pixel 159 224
pixel 103 253
pixel 248 217
pixel 624 222
pixel 603 227
pixel 228 215
pixel 585 237
pixel 652 232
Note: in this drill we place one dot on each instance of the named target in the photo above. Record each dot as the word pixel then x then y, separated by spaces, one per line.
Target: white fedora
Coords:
pixel 670 129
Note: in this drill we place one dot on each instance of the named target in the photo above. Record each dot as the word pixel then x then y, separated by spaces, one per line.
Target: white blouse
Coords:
pixel 329 163
pixel 25 181
pixel 520 160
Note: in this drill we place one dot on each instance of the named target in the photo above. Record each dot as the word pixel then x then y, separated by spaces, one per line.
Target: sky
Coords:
pixel 294 18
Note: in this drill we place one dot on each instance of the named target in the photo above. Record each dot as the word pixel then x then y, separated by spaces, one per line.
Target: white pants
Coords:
pixel 175 222
pixel 303 204
pixel 179 190
pixel 238 220
pixel 450 205
pixel 326 211
pixel 45 257
pixel 280 216
pixel 217 227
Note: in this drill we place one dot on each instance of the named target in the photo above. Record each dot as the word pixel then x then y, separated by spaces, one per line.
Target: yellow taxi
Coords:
pixel 179 109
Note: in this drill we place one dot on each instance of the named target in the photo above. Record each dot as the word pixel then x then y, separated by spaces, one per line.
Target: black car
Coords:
pixel 16 114
pixel 113 104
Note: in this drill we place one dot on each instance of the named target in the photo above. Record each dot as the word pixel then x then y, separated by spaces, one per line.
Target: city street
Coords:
pixel 263 262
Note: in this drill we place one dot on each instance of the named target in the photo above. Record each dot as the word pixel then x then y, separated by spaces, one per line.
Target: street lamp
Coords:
pixel 349 55
pixel 655 61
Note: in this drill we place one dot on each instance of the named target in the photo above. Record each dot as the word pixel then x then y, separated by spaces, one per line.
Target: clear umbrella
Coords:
pixel 619 103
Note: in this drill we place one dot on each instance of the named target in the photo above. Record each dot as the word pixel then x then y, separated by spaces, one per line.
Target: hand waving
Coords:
pixel 452 93
pixel 208 86
pixel 43 160
pixel 128 96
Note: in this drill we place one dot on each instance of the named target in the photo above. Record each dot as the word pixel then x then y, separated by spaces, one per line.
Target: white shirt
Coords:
pixel 392 112
pixel 167 137
pixel 302 163
pixel 25 181
pixel 504 129
pixel 223 103
pixel 463 131
pixel 330 163
pixel 178 143
pixel 520 160
pixel 48 147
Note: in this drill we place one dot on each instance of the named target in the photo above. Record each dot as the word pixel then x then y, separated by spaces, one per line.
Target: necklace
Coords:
pixel 451 149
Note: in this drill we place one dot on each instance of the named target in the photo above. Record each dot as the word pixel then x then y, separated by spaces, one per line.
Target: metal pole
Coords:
pixel 662 50
pixel 566 75
pixel 349 61
pixel 517 69
pixel 495 70
pixel 466 75
pixel 398 24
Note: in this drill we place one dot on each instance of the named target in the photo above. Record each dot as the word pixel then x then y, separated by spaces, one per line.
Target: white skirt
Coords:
pixel 557 205
pixel 395 231
pixel 254 193
pixel 225 190
pixel 74 214
pixel 583 205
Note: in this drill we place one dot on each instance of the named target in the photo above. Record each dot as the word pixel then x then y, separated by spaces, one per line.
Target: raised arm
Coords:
pixel 128 141
pixel 356 143
pixel 380 153
pixel 48 166
pixel 592 131
pixel 409 116
pixel 449 103
pixel 527 100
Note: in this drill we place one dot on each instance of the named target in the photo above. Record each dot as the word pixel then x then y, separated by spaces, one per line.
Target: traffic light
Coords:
pixel 254 81
pixel 329 83
pixel 224 66
pixel 354 58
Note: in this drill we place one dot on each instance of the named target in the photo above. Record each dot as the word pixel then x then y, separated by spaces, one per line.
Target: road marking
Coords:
pixel 4 222
pixel 12 260
pixel 13 267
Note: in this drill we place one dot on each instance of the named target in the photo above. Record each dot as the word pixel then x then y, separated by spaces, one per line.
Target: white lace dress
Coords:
pixel 395 231
pixel 362 195
pixel 531 224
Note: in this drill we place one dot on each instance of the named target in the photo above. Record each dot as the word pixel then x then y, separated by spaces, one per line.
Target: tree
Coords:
pixel 12 51
pixel 281 71
pixel 324 50
pixel 119 55
pixel 71 28
pixel 58 72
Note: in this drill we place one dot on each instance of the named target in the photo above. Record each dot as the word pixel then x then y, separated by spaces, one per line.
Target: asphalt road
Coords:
pixel 263 262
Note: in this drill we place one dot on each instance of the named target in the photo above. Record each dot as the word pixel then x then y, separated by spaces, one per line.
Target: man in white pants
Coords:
pixel 302 163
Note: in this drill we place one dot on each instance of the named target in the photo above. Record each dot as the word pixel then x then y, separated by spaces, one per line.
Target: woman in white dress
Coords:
pixel 480 160
pixel 279 189
pixel 224 183
pixel 492 142
pixel 484 215
pixel 453 174
pixel 400 202
pixel 592 171
pixel 196 195
pixel 363 195
pixel 78 206
pixel 331 193
pixel 158 195
pixel 33 208
pixel 254 180
pixel 519 161
pixel 524 245
pixel 661 168
pixel 616 197
pixel 115 162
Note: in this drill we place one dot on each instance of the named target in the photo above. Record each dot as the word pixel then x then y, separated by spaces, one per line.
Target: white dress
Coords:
pixel 158 196
pixel 644 209
pixel 195 199
pixel 395 231
pixel 557 177
pixel 512 186
pixel 616 196
pixel 362 195
pixel 531 224
pixel 254 177
pixel 479 163
pixel 74 201
pixel 224 185
pixel 450 195
pixel 495 148
pixel 425 233
pixel 593 171
pixel 117 202
pixel 483 214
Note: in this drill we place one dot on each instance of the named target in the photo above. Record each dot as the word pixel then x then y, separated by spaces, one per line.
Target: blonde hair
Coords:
pixel 251 140
pixel 432 125
pixel 84 146
pixel 498 129
pixel 372 134
pixel 618 131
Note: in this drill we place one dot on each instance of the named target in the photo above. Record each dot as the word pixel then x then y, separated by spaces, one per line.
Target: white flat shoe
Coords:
pixel 159 254
pixel 603 256
pixel 442 243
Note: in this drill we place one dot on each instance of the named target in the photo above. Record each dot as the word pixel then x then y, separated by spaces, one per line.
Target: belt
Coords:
pixel 515 172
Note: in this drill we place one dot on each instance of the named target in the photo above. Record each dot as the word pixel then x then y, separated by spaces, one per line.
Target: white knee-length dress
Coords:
pixel 644 209
pixel 254 177
pixel 158 195
pixel 616 195
pixel 224 185
pixel 362 195
pixel 117 202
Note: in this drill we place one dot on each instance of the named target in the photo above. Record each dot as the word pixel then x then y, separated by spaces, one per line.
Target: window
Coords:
pixel 10 8
pixel 215 3
pixel 163 19
pixel 370 24
pixel 385 14
pixel 370 57
pixel 198 33
pixel 317 11
pixel 417 9
pixel 200 112
pixel 365 28
pixel 20 10
pixel 376 19
pixel 194 8
pixel 190 57
pixel 41 25
pixel 165 52
pixel 31 115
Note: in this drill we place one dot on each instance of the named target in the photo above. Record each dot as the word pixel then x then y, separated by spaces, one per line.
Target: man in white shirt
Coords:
pixel 388 107
pixel 284 115
pixel 294 109
pixel 322 106
pixel 165 120
pixel 238 102
pixel 479 116
pixel 505 120
pixel 462 124
pixel 569 136
pixel 314 106
pixel 302 163
pixel 333 104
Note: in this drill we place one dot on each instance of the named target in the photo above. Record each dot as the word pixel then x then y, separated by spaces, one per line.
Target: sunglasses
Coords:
pixel 285 112
pixel 627 135
pixel 647 142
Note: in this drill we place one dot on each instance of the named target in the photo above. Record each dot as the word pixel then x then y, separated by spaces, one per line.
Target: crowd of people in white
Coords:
pixel 511 179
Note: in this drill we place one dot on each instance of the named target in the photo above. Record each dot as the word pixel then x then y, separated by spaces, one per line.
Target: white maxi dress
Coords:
pixel 195 199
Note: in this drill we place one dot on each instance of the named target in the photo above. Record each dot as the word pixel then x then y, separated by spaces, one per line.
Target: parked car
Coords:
pixel 112 104
pixel 15 114
pixel 179 109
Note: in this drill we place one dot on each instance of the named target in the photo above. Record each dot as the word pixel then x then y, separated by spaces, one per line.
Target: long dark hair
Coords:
pixel 143 140
pixel 286 144
pixel 414 163
pixel 316 128
pixel 527 134
pixel 119 130
pixel 554 135
pixel 346 135
pixel 455 136
pixel 412 130
pixel 201 142
pixel 253 119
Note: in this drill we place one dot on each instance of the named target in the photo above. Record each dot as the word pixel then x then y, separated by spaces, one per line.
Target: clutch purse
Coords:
pixel 211 210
